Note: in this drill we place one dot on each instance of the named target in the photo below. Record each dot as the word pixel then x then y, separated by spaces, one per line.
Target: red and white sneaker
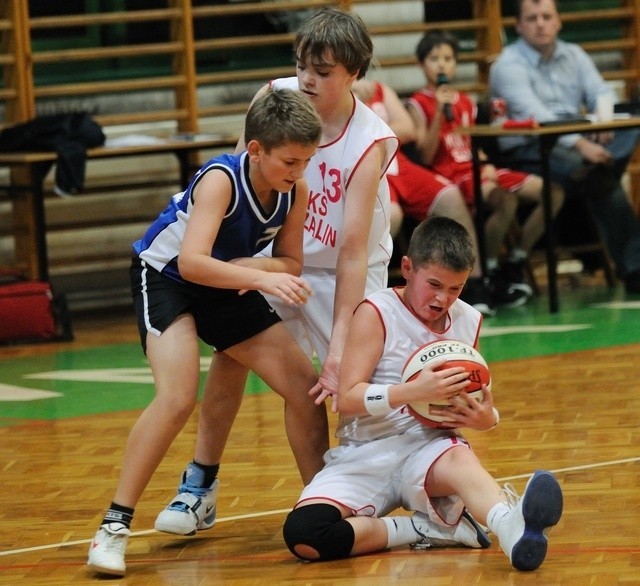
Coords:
pixel 106 552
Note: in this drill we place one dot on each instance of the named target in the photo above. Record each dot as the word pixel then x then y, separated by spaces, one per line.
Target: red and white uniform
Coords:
pixel 413 186
pixel 453 158
pixel 382 461
pixel 328 176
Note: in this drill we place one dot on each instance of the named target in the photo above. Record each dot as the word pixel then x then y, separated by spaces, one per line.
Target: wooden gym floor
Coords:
pixel 567 385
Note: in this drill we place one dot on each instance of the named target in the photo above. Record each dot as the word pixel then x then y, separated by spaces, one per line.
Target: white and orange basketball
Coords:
pixel 456 354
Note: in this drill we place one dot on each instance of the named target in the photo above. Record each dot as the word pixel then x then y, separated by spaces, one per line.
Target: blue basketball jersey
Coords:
pixel 245 230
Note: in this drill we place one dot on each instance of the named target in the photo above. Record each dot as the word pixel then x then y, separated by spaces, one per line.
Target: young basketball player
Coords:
pixel 347 244
pixel 387 459
pixel 194 276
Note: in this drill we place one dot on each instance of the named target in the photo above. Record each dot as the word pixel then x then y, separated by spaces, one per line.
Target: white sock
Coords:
pixel 495 515
pixel 492 264
pixel 518 255
pixel 400 531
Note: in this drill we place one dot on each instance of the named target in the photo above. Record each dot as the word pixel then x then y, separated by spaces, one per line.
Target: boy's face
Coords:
pixel 280 168
pixel 441 59
pixel 431 289
pixel 324 81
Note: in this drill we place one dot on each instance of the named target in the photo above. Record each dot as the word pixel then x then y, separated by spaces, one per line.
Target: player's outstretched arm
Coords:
pixel 352 264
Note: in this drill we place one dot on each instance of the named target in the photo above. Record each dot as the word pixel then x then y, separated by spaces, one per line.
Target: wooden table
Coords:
pixel 547 135
pixel 26 188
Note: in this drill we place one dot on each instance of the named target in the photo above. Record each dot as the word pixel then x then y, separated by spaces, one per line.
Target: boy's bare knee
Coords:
pixel 306 552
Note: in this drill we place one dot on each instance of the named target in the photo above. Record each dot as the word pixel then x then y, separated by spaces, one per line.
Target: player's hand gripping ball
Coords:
pixel 457 354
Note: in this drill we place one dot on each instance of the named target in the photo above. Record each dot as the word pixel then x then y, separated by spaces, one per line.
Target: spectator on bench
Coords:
pixel 543 77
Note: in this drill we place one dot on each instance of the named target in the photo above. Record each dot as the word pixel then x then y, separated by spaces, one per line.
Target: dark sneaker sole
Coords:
pixel 483 539
pixel 541 509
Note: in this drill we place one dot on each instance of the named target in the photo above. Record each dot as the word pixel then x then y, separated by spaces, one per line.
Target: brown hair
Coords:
pixel 340 33
pixel 282 116
pixel 443 241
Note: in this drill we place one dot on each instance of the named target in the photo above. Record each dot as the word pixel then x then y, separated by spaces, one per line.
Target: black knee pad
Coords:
pixel 321 527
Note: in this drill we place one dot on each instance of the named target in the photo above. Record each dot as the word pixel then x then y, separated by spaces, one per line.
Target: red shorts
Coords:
pixel 415 187
pixel 507 179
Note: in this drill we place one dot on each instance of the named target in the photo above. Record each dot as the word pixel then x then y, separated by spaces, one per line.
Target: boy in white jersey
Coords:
pixel 347 243
pixel 194 275
pixel 388 459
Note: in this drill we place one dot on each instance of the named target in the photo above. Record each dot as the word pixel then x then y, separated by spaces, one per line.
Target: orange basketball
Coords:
pixel 456 354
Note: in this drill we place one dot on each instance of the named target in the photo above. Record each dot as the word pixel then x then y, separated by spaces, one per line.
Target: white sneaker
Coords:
pixel 523 531
pixel 106 552
pixel 193 509
pixel 467 532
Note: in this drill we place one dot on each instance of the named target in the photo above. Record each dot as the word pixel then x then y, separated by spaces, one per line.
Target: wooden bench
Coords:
pixel 28 193
pixel 174 122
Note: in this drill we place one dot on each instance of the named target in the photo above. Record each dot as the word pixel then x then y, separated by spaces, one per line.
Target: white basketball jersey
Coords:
pixel 404 334
pixel 328 176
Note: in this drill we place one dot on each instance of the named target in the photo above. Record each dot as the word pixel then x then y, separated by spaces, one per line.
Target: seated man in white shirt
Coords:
pixel 545 78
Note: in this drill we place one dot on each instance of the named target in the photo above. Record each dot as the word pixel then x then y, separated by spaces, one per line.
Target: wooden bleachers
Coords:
pixel 190 67
pixel 151 85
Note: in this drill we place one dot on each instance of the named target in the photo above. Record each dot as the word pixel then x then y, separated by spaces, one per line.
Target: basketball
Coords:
pixel 457 354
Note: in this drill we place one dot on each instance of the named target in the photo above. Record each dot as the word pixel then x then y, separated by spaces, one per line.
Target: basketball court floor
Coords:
pixel 567 386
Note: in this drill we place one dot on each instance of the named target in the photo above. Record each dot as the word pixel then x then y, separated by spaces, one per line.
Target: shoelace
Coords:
pixel 511 493
pixel 197 491
pixel 115 542
pixel 184 488
pixel 177 506
pixel 117 545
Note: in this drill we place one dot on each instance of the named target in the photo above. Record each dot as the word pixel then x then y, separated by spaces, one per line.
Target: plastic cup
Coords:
pixel 604 108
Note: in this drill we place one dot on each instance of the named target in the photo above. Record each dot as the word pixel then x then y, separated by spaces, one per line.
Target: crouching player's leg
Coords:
pixel 318 531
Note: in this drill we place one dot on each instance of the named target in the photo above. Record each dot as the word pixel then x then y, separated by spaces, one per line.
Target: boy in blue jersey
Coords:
pixel 346 243
pixel 194 276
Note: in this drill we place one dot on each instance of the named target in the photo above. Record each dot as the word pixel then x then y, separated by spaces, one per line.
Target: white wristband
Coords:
pixel 376 400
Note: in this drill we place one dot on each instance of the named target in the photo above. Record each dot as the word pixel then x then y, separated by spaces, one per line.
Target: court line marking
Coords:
pixel 281 511
pixel 144 532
